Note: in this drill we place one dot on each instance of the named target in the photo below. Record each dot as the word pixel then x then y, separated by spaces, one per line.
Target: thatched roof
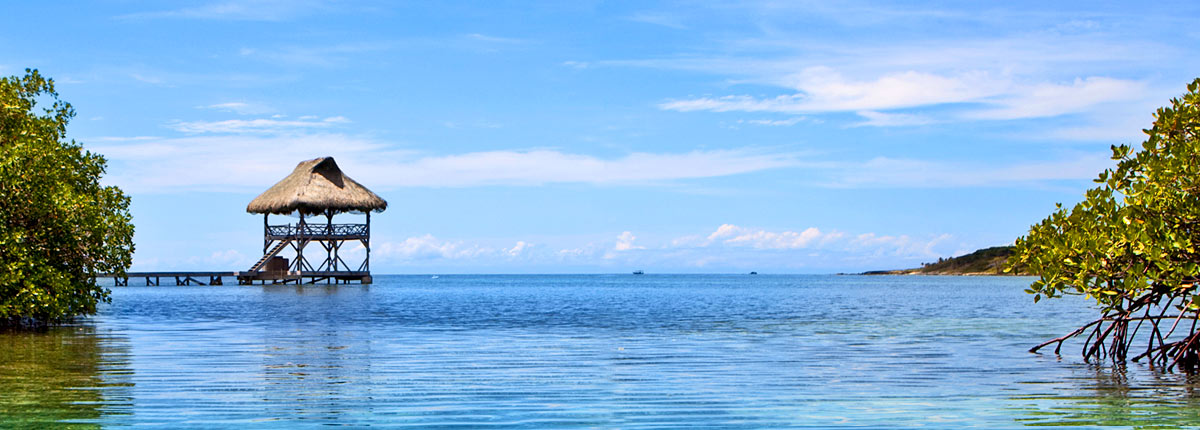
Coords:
pixel 316 186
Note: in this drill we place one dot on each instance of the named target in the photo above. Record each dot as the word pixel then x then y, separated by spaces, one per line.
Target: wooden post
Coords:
pixel 367 261
pixel 300 242
pixel 331 250
pixel 266 235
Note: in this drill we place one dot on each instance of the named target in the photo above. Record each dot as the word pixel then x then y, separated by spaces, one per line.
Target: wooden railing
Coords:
pixel 318 230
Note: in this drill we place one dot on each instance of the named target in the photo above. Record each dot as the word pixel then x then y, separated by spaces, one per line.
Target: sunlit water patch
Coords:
pixel 619 351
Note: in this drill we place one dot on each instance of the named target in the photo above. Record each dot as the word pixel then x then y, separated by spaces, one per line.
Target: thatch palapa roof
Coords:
pixel 316 186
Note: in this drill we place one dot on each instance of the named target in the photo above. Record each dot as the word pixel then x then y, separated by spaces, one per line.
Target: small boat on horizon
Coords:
pixel 638 272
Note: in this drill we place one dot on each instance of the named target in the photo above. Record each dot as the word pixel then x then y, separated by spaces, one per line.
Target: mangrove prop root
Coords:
pixel 1113 336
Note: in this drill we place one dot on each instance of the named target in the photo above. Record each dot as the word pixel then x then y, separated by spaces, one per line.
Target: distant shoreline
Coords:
pixel 984 262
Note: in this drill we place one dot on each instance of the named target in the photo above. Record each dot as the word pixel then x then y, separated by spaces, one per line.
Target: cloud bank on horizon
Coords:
pixel 796 137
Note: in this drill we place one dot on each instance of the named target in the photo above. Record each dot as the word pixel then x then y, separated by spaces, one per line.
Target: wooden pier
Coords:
pixel 243 278
pixel 181 278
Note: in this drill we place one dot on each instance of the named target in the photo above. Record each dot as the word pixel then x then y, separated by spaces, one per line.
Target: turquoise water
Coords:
pixel 608 351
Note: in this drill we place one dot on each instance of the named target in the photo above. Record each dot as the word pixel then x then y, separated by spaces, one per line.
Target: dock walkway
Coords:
pixel 181 278
pixel 244 278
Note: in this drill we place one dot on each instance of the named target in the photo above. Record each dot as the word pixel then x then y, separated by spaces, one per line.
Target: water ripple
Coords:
pixel 578 351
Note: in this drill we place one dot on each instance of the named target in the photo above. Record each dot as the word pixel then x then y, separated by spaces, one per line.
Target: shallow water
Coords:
pixel 613 351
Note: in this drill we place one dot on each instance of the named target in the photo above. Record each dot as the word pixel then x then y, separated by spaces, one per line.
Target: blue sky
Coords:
pixel 550 137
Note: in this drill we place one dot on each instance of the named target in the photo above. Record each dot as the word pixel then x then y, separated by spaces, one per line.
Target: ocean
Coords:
pixel 580 351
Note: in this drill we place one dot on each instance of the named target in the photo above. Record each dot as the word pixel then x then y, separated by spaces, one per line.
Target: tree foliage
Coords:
pixel 61 226
pixel 1132 245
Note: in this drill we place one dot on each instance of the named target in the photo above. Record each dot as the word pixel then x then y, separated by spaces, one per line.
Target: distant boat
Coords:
pixel 753 273
pixel 433 277
pixel 638 272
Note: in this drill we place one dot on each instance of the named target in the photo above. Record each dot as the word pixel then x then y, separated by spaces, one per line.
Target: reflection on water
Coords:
pixel 1114 396
pixel 68 377
pixel 579 351
pixel 317 372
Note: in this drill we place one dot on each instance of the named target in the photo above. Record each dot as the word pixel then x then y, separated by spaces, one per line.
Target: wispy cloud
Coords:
pixel 241 154
pixel 578 65
pixel 668 20
pixel 246 10
pixel 266 126
pixel 1083 69
pixel 822 89
pixel 160 77
pixel 238 154
pixel 774 122
pixel 495 39
pixel 872 245
pixel 315 55
pixel 983 96
pixel 881 119
pixel 1049 99
pixel 883 172
pixel 537 167
pixel 241 108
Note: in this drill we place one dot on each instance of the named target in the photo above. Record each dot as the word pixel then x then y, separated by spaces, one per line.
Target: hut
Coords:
pixel 315 191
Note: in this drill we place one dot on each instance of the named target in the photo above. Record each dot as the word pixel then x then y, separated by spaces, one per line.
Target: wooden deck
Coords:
pixel 244 278
pixel 305 277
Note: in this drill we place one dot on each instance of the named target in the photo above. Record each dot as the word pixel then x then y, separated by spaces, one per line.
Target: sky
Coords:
pixel 606 137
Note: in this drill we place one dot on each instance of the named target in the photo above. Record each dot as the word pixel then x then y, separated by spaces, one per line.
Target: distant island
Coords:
pixel 987 261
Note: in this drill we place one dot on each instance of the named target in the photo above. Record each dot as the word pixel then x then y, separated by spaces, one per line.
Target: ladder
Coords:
pixel 271 253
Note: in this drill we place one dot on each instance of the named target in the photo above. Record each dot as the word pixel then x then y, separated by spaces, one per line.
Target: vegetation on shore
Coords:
pixel 987 261
pixel 61 226
pixel 1133 245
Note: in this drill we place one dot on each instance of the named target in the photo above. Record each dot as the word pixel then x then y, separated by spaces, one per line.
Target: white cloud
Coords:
pixel 241 108
pixel 337 55
pixel 241 162
pixel 494 39
pixel 154 80
pixel 249 163
pixel 538 167
pixel 880 119
pixel 516 250
pixel 246 10
pixel 268 126
pixel 573 252
pixel 732 235
pixel 1125 129
pixel 882 172
pixel 1035 74
pixel 821 89
pixel 427 247
pixel 661 19
pixel 773 122
pixel 121 138
pixel 625 242
pixel 1048 99
pixel 871 244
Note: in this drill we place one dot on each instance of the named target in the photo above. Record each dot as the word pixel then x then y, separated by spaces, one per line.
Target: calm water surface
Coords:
pixel 616 351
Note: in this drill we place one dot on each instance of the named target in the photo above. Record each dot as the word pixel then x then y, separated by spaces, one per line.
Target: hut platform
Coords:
pixel 305 277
